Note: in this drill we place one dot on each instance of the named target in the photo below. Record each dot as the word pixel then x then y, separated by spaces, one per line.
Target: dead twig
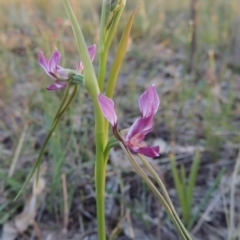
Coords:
pixel 232 227
pixel 193 35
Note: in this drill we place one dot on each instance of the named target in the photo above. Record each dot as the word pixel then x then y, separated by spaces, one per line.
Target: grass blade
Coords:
pixel 177 181
pixel 206 198
pixel 121 51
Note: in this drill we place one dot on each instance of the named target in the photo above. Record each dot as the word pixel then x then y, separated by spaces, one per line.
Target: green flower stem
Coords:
pixel 101 137
pixel 100 180
pixel 65 106
pixel 66 92
pixel 165 193
pixel 100 169
pixel 56 121
pixel 155 191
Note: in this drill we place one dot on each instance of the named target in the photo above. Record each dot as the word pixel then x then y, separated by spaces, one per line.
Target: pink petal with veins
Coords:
pixel 57 85
pixel 148 151
pixel 107 106
pixel 44 63
pixel 149 102
pixel 141 127
pixel 92 51
pixel 80 67
pixel 42 60
pixel 54 61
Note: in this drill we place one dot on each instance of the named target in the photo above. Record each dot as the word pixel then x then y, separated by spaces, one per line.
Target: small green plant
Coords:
pixel 185 187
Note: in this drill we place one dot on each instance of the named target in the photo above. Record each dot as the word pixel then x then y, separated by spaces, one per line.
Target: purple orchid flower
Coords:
pixel 59 74
pixel 148 104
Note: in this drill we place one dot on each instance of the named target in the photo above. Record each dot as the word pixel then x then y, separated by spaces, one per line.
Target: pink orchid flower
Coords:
pixel 148 104
pixel 59 74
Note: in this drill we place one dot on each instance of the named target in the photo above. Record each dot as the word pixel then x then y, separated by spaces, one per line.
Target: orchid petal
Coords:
pixel 57 85
pixel 148 151
pixel 42 60
pixel 54 61
pixel 80 67
pixel 149 102
pixel 140 126
pixel 92 51
pixel 44 63
pixel 107 106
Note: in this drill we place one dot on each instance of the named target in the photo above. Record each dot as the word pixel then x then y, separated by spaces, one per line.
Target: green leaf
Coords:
pixel 185 206
pixel 192 178
pixel 178 183
pixel 112 142
pixel 203 202
pixel 12 182
pixel 111 14
pixel 121 52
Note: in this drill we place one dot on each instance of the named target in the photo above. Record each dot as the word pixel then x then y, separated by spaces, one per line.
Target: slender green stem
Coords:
pixel 165 193
pixel 155 191
pixel 66 92
pixel 100 167
pixel 64 107
pixel 100 180
pixel 56 120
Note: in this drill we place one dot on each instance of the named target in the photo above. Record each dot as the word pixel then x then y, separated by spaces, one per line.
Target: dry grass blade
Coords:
pixel 65 199
pixel 127 227
pixel 120 160
pixel 18 150
pixel 232 226
pixel 27 217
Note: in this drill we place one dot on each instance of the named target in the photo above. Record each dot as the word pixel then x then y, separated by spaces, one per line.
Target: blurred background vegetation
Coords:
pixel 192 56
